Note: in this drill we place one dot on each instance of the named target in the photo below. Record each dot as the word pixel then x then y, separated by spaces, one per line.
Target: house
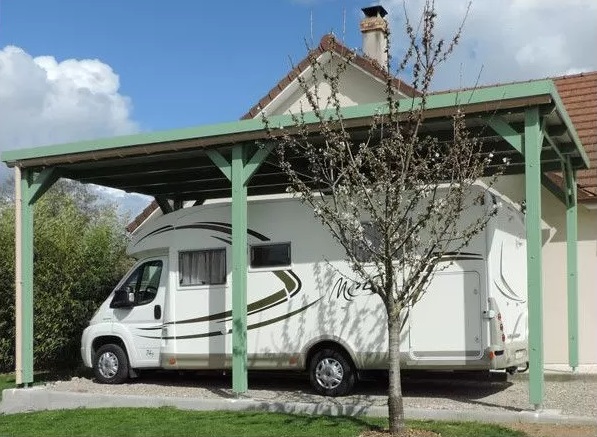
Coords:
pixel 364 82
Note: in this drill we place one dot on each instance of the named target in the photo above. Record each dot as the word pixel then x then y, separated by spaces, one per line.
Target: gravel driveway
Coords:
pixel 574 395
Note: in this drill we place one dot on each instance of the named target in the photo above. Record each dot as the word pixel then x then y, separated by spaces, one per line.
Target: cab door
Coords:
pixel 143 320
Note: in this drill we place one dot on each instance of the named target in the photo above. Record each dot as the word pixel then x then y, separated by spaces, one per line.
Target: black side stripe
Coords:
pixel 157 231
pixel 190 336
pixel 151 329
pixel 279 297
pixel 249 231
pixel 253 326
pixel 461 253
pixel 299 284
pixel 225 228
pixel 280 318
pixel 460 258
pixel 224 240
pixel 221 229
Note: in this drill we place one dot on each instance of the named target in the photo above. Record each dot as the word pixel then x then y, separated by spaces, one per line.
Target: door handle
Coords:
pixel 157 312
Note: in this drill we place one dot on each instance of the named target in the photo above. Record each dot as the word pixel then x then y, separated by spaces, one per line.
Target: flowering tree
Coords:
pixel 395 199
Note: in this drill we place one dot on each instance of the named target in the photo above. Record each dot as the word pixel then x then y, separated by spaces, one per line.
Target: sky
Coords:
pixel 83 69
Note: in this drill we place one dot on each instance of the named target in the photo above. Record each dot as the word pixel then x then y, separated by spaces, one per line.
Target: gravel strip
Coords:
pixel 577 396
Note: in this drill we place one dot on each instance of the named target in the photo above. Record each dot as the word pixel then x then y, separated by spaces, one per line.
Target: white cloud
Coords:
pixel 116 194
pixel 129 204
pixel 44 101
pixel 509 39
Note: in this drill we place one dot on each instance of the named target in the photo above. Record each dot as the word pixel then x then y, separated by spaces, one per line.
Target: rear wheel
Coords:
pixel 111 364
pixel 331 373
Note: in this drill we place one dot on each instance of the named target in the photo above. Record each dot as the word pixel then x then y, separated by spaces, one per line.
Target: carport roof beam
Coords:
pixel 486 100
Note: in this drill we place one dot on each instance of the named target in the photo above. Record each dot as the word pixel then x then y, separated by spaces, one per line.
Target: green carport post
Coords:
pixel 28 188
pixel 533 140
pixel 23 279
pixel 572 263
pixel 239 272
pixel 239 172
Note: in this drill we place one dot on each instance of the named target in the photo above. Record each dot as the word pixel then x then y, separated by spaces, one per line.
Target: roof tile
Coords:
pixel 579 95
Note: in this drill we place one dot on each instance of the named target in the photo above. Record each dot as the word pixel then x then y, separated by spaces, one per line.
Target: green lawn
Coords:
pixel 172 422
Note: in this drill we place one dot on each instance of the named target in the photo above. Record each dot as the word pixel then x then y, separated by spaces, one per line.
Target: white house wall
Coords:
pixel 555 319
pixel 356 88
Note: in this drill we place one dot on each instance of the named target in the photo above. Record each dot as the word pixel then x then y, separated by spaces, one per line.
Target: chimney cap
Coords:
pixel 374 11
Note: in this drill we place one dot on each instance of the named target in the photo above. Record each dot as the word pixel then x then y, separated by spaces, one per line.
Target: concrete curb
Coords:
pixel 40 398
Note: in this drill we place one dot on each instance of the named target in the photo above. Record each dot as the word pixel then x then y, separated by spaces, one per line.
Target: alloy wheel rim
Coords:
pixel 329 373
pixel 108 365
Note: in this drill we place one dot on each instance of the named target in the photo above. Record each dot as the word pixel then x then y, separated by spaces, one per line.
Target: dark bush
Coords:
pixel 79 255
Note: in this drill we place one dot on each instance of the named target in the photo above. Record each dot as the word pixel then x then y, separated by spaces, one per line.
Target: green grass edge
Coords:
pixel 169 421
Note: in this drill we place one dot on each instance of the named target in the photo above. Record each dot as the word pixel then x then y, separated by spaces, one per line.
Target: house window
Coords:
pixel 202 267
pixel 270 255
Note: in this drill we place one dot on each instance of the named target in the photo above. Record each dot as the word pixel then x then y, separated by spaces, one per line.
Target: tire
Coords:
pixel 331 373
pixel 111 365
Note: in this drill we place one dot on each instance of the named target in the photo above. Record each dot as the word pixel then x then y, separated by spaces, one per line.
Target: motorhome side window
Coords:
pixel 202 267
pixel 270 255
pixel 144 282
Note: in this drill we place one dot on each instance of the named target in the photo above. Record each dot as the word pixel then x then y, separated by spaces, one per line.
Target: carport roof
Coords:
pixel 173 164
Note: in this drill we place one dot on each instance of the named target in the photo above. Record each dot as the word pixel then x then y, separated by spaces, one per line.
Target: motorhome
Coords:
pixel 173 309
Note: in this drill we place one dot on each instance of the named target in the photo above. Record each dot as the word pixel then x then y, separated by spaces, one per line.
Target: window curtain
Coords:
pixel 203 267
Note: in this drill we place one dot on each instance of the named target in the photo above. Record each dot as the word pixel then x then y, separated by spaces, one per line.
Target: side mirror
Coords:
pixel 123 299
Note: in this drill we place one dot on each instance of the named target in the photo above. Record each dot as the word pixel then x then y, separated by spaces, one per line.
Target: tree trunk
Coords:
pixel 395 404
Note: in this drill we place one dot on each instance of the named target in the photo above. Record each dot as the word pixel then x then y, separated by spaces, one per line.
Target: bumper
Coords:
pixel 86 349
pixel 515 354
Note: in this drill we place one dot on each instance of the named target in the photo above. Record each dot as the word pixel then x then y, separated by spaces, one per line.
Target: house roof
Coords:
pixel 142 216
pixel 579 95
pixel 329 43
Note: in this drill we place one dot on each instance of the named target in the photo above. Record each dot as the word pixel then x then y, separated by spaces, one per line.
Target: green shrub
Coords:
pixel 79 255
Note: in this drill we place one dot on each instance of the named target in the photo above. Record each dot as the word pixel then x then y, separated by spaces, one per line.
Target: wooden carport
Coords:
pixel 526 123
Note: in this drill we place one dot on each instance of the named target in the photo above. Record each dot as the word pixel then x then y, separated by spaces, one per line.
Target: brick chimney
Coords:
pixel 373 28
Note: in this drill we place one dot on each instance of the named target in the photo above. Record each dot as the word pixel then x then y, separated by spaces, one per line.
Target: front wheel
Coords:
pixel 111 364
pixel 331 373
